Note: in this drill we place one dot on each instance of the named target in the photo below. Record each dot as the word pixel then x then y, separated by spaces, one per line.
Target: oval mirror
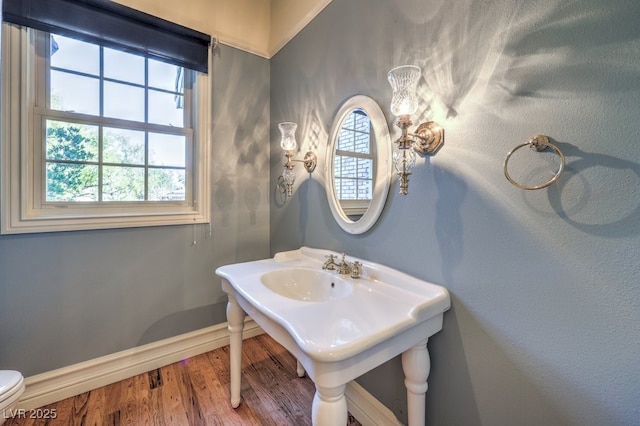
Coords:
pixel 358 164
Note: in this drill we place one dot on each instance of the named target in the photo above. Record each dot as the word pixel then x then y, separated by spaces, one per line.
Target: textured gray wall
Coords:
pixel 545 323
pixel 73 296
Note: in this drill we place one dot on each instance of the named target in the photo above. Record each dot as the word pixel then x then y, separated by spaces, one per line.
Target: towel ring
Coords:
pixel 539 143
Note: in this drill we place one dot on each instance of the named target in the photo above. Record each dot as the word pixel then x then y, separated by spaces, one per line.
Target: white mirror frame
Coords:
pixel 383 165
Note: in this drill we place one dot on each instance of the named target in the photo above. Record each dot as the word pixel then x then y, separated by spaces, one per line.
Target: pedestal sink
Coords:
pixel 337 327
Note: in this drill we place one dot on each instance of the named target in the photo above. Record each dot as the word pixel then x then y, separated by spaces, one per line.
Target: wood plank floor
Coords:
pixel 196 392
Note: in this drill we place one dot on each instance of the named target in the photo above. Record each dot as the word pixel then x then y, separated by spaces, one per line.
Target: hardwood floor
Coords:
pixel 196 392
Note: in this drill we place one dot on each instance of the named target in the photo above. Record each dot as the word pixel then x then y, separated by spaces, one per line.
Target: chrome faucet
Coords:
pixel 344 267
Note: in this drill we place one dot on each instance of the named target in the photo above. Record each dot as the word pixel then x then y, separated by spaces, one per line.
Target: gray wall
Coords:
pixel 545 323
pixel 73 296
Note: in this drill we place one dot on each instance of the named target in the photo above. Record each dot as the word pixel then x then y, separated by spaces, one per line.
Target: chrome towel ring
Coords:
pixel 538 143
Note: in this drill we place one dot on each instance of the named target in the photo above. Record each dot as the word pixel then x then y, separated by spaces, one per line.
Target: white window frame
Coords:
pixel 22 206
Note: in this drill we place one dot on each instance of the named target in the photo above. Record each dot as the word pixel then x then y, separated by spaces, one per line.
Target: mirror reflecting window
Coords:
pixel 358 164
pixel 353 164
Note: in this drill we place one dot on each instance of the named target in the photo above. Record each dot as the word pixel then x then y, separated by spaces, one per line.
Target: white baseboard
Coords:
pixel 366 408
pixel 56 385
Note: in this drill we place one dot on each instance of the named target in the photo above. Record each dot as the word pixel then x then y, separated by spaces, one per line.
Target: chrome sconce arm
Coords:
pixel 427 140
pixel 288 144
pixel 309 161
pixel 428 137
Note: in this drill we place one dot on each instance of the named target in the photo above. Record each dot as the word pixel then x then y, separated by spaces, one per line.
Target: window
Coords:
pixel 353 164
pixel 99 137
pixel 133 145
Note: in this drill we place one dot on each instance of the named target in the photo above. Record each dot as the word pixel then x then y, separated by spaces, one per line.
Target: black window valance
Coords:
pixel 113 25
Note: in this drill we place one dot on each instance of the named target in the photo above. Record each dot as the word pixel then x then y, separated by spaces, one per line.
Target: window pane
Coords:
pixel 346 140
pixel 348 167
pixel 347 189
pixel 122 183
pixel 167 150
pixel 71 141
pixel 355 133
pixel 166 185
pixel 365 190
pixel 123 146
pixel 361 121
pixel 123 101
pixel 365 166
pixel 165 108
pixel 361 143
pixel 349 121
pixel 72 182
pixel 123 66
pixel 166 76
pixel 74 55
pixel 72 92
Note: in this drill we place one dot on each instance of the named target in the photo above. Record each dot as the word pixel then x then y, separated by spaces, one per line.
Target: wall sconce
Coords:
pixel 429 136
pixel 288 144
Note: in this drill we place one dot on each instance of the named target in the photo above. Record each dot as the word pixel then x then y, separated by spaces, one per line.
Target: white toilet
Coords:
pixel 11 388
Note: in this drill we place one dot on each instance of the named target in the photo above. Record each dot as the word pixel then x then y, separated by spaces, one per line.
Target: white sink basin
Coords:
pixel 307 285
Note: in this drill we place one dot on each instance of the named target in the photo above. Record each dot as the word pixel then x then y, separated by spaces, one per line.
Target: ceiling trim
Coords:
pixel 293 24
pixel 260 27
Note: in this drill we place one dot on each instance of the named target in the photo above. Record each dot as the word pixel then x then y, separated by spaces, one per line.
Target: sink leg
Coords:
pixel 235 321
pixel 329 407
pixel 416 366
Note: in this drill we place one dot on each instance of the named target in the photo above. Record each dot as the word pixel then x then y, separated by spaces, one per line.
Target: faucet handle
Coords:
pixel 330 264
pixel 356 269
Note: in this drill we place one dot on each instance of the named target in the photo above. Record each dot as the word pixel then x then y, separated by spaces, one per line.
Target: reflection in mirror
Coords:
pixel 358 164
pixel 353 164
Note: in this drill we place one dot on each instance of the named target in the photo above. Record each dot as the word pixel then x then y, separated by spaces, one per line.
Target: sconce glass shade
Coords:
pixel 288 131
pixel 404 82
pixel 289 177
pixel 403 159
